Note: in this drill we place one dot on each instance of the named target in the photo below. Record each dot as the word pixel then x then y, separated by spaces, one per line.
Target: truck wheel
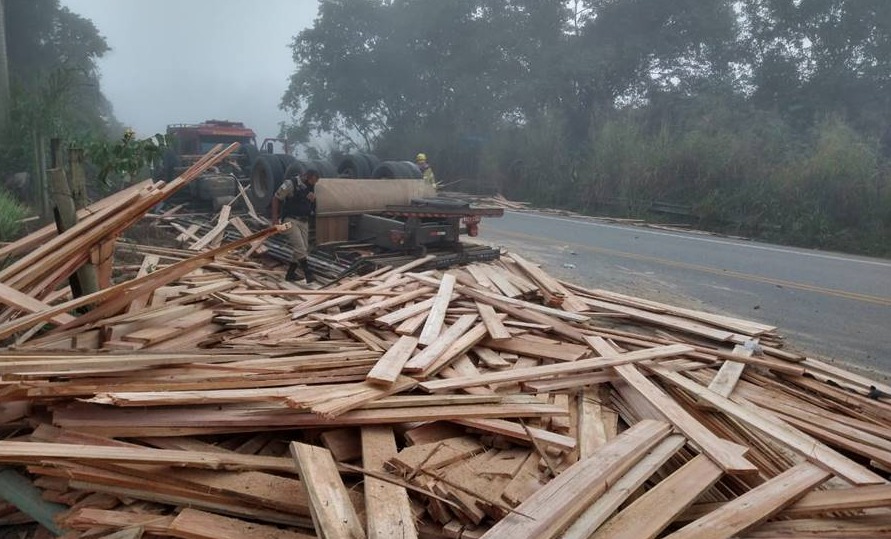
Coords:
pixel 354 166
pixel 325 168
pixel 387 170
pixel 285 160
pixel 371 160
pixel 248 155
pixel 266 176
pixel 410 170
pixel 211 187
pixel 296 168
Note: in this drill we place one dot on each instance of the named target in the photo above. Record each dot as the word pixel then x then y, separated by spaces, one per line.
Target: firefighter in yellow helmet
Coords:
pixel 426 169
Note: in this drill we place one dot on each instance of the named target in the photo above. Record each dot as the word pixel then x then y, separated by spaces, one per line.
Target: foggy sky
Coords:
pixel 186 61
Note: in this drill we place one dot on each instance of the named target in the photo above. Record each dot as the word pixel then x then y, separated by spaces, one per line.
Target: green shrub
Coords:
pixel 11 214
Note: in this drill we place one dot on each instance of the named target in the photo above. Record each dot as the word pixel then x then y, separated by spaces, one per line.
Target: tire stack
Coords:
pixel 270 170
pixel 357 166
pixel 397 170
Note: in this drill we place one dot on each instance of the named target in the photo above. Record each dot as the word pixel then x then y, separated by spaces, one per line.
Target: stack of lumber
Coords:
pixel 497 200
pixel 203 397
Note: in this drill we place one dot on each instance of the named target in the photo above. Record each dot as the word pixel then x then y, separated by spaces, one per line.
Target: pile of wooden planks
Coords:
pixel 203 397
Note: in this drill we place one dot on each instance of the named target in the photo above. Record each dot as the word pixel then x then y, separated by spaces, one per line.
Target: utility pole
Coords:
pixel 4 73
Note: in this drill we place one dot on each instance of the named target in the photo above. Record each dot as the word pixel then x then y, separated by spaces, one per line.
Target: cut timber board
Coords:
pixel 723 452
pixel 648 515
pixel 548 512
pixel 780 431
pixel 387 506
pixel 332 510
pixel 194 524
pixel 388 367
pixel 436 317
pixel 544 371
pixel 756 505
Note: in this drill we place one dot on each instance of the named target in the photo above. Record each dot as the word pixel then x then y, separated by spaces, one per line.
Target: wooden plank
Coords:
pixel 592 429
pixel 149 264
pixel 17 300
pixel 194 524
pixel 756 505
pixel 434 455
pixel 815 503
pixel 530 348
pixel 490 358
pixel 406 313
pixel 387 505
pixel 544 371
pixel 86 518
pixel 598 512
pixel 730 373
pixel 780 431
pixel 429 355
pixel 722 452
pixel 389 366
pixel 222 223
pixel 548 512
pixel 655 510
pixel 687 326
pixel 411 325
pixel 117 296
pixel 436 317
pixel 517 432
pixel 332 510
pixel 368 310
pixel 344 444
pixel 496 329
pixel 457 350
pixel 26 452
pixel 737 325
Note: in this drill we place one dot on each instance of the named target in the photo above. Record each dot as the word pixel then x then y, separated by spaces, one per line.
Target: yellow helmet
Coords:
pixel 421 158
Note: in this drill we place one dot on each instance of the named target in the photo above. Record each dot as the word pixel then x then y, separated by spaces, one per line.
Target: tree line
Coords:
pixel 763 117
pixel 49 89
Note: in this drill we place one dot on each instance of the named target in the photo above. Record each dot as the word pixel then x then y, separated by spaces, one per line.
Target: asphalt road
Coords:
pixel 828 305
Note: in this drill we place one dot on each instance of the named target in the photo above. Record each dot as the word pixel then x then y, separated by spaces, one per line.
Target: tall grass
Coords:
pixel 11 214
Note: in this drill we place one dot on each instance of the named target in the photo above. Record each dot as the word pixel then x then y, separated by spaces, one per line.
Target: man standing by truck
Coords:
pixel 426 169
pixel 295 203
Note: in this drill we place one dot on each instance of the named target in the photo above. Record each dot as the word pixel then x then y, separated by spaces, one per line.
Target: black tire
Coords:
pixel 285 160
pixel 249 154
pixel 209 188
pixel 411 170
pixel 296 168
pixel 354 166
pixel 266 176
pixel 325 168
pixel 388 170
pixel 372 162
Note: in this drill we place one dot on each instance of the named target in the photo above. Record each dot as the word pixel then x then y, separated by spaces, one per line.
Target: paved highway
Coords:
pixel 826 304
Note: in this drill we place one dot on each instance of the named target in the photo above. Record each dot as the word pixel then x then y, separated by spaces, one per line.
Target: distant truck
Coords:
pixel 257 168
pixel 189 142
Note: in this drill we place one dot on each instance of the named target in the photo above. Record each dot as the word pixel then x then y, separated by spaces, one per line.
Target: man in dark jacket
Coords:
pixel 295 203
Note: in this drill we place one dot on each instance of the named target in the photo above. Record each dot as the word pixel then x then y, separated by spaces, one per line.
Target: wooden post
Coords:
pixel 77 176
pixel 85 280
pixel 87 275
pixel 56 157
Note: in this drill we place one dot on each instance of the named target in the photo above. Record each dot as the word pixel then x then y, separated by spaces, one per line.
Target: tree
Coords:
pixel 52 55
